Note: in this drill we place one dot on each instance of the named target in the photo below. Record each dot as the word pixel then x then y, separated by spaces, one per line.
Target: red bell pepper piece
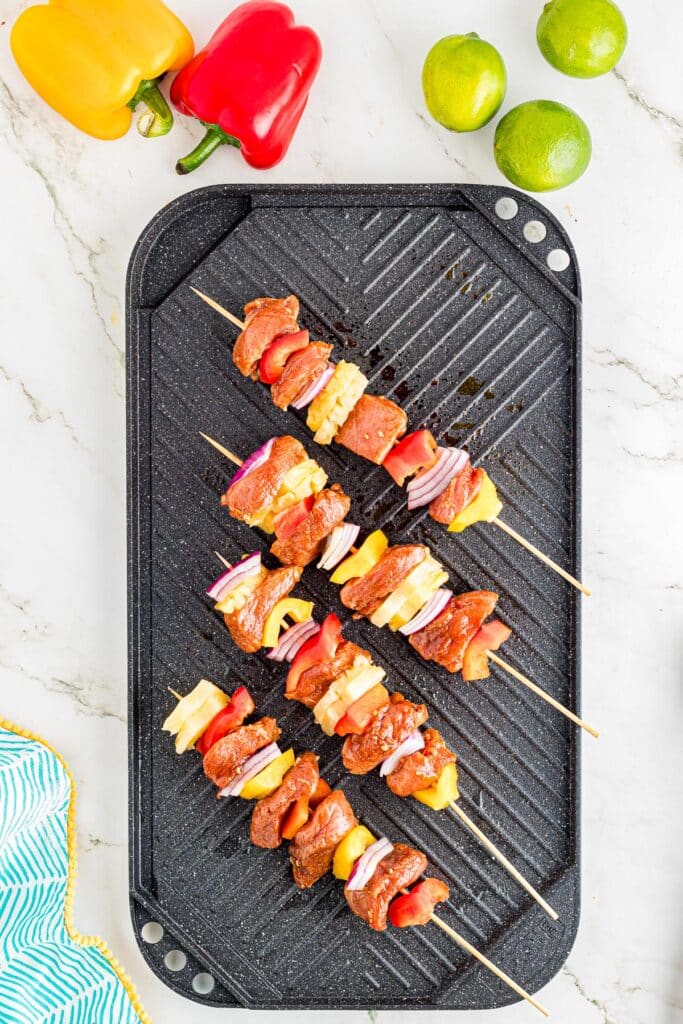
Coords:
pixel 475 664
pixel 288 522
pixel 250 83
pixel 230 717
pixel 320 647
pixel 415 451
pixel 417 906
pixel 357 717
pixel 273 360
pixel 296 818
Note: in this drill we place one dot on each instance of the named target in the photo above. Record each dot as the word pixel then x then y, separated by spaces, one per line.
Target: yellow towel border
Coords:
pixel 73 933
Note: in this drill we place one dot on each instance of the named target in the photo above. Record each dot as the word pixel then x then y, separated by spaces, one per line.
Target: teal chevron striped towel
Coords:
pixel 49 974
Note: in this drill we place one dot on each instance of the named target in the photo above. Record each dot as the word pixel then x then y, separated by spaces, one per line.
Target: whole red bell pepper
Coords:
pixel 250 83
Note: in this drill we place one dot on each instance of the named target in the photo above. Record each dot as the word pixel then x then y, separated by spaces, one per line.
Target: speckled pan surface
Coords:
pixel 449 309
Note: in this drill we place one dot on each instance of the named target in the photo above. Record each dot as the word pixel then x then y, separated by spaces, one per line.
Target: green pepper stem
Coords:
pixel 157 120
pixel 214 138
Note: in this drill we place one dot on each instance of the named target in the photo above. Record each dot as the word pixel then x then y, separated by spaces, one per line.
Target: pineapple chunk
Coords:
pixel 330 409
pixel 302 480
pixel 237 597
pixel 410 595
pixel 350 685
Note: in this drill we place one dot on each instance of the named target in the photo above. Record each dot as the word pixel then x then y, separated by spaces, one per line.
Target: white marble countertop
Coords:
pixel 71 209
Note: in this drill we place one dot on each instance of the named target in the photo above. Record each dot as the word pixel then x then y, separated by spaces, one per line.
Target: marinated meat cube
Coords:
pixel 302 370
pixel 421 769
pixel 399 869
pixel 312 848
pixel 225 758
pixel 246 625
pixel 445 639
pixel 270 813
pixel 373 427
pixel 389 727
pixel 265 320
pixel 314 682
pixel 366 593
pixel 254 493
pixel 330 508
pixel 462 490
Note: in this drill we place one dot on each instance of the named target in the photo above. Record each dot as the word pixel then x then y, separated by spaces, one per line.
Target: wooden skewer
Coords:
pixel 502 859
pixel 499 522
pixel 456 937
pixel 469 948
pixel 225 562
pixel 490 654
pixel 542 557
pixel 542 694
pixel 220 309
pixel 219 448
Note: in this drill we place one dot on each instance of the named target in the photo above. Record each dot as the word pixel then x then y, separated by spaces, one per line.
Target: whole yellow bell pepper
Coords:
pixel 362 561
pixel 484 509
pixel 93 61
pixel 443 792
pixel 269 779
pixel 298 610
pixel 350 849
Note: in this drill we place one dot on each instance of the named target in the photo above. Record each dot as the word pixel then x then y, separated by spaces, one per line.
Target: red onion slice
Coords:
pixel 292 640
pixel 428 613
pixel 410 745
pixel 426 486
pixel 254 460
pixel 249 566
pixel 340 541
pixel 364 868
pixel 315 388
pixel 251 767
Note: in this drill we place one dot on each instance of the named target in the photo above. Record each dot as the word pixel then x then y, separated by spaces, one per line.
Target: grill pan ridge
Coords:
pixel 451 311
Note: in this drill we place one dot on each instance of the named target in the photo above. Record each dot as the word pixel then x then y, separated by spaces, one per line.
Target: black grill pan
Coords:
pixel 447 307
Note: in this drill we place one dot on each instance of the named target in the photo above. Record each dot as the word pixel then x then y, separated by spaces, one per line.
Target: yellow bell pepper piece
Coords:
pixel 444 790
pixel 350 849
pixel 193 726
pixel 297 610
pixel 269 779
pixel 360 563
pixel 94 60
pixel 485 507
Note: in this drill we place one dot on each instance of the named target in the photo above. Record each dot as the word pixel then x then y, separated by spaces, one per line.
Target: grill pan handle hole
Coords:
pixel 558 260
pixel 203 984
pixel 534 231
pixel 175 960
pixel 152 932
pixel 507 208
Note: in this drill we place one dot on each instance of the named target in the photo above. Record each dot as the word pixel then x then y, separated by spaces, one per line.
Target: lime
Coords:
pixel 583 38
pixel 464 81
pixel 542 145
